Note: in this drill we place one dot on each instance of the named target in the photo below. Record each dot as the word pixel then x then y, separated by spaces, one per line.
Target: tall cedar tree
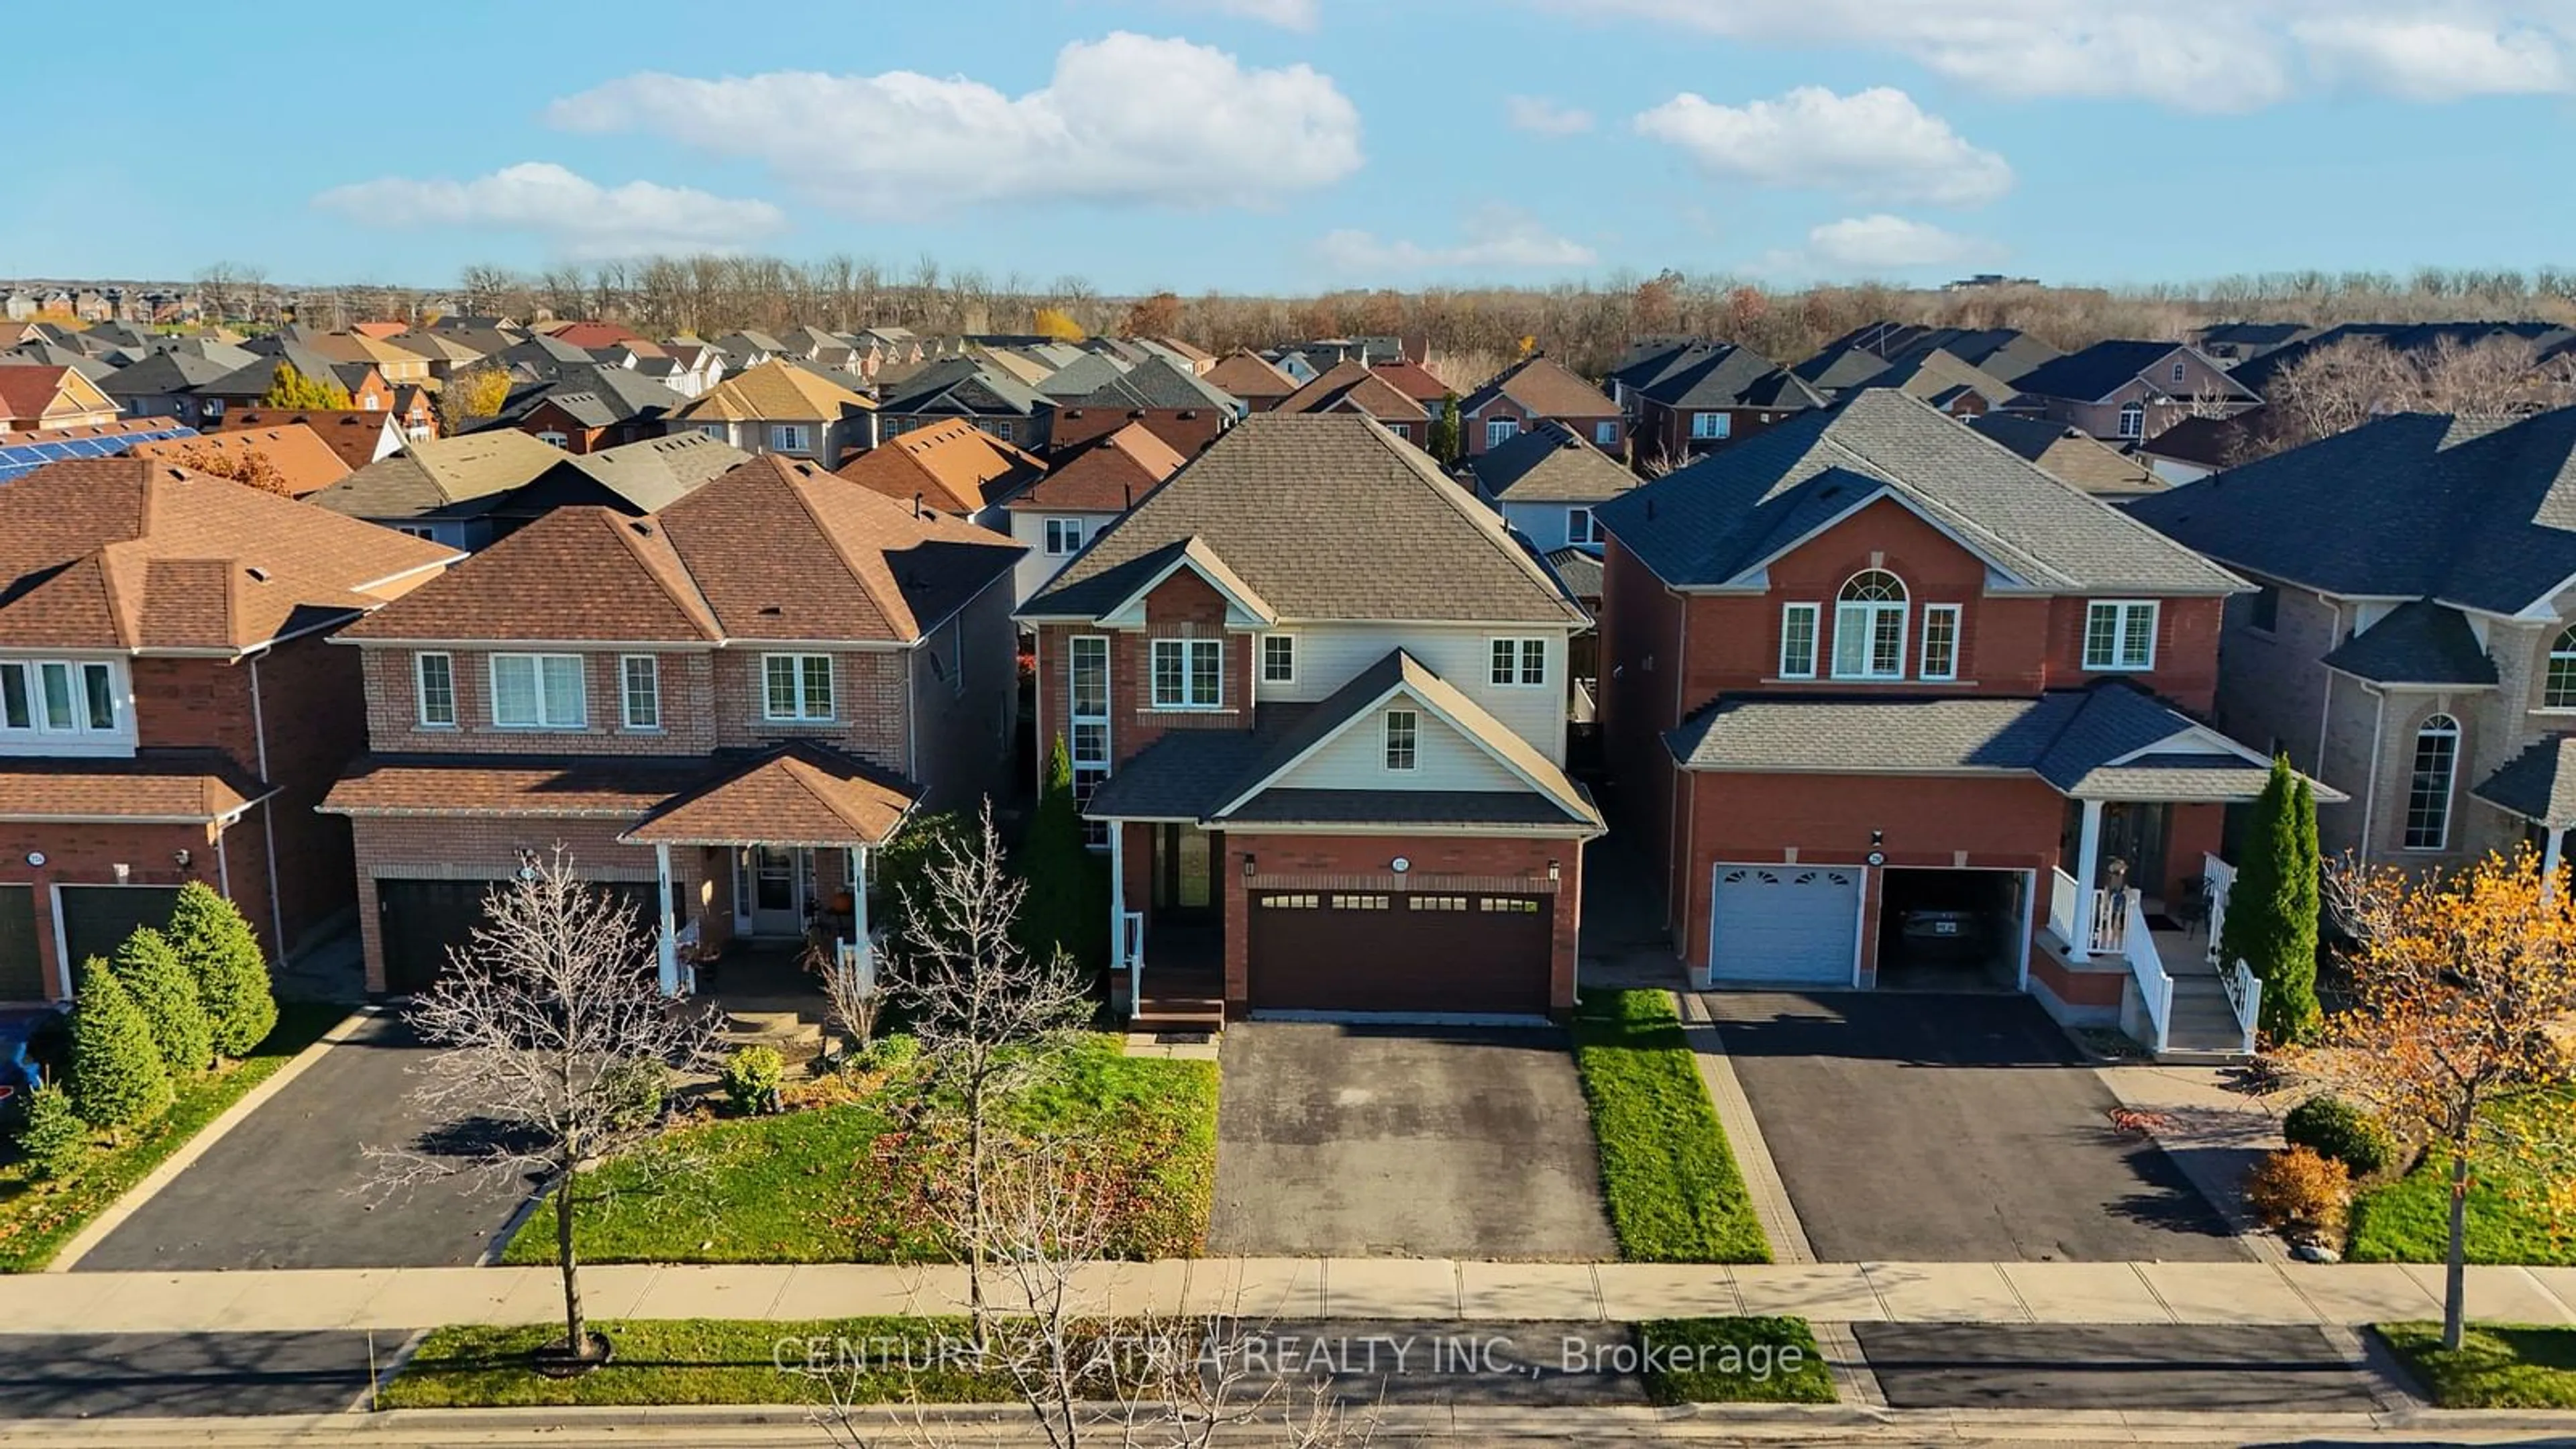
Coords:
pixel 163 988
pixel 231 975
pixel 1068 900
pixel 1446 431
pixel 289 388
pixel 117 1077
pixel 2272 909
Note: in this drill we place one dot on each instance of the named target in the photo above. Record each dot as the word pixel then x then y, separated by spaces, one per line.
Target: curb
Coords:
pixel 195 1147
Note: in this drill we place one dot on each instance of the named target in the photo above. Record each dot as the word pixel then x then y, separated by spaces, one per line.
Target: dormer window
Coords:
pixel 1869 627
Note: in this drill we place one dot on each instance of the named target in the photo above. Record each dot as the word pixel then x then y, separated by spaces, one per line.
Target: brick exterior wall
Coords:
pixel 1182 606
pixel 1471 430
pixel 1492 860
pixel 88 854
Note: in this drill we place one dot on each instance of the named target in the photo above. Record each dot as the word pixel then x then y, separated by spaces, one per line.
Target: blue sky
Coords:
pixel 1294 145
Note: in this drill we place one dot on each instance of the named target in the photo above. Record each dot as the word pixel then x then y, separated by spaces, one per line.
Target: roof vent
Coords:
pixel 771 610
pixel 258 575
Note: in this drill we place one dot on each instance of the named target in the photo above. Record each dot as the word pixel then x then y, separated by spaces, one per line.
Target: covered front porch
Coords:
pixel 1167 953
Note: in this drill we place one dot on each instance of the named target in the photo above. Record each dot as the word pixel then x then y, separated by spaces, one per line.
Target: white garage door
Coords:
pixel 1784 923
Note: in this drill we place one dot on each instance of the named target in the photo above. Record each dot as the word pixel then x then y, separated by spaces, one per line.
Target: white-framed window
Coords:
pixel 998 427
pixel 1279 659
pixel 1869 627
pixel 1582 527
pixel 416 530
pixel 1403 739
pixel 796 686
pixel 1401 430
pixel 2428 783
pixel 1519 662
pixel 1088 697
pixel 1189 673
pixel 1499 431
pixel 721 432
pixel 2120 634
pixel 553 437
pixel 2178 372
pixel 1605 435
pixel 2133 420
pixel 790 437
pixel 1798 641
pixel 1940 641
pixel 434 683
pixel 1712 425
pixel 58 696
pixel 1063 537
pixel 2558 685
pixel 640 687
pixel 538 692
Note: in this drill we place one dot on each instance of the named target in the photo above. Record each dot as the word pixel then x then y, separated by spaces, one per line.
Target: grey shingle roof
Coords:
pixel 1151 384
pixel 1550 463
pixel 165 373
pixel 1721 375
pixel 2097 371
pixel 1326 516
pixel 1708 523
pixel 1185 775
pixel 962 385
pixel 2069 738
pixel 2539 784
pixel 2475 512
pixel 1581 570
pixel 1397 807
pixel 2417 643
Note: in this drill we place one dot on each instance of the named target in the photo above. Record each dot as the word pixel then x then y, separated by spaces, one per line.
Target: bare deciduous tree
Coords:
pixel 546 1019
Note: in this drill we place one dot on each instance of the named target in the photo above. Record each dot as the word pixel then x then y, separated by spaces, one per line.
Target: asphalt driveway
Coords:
pixel 1928 1128
pixel 181 1375
pixel 2136 1368
pixel 292 1186
pixel 1404 1141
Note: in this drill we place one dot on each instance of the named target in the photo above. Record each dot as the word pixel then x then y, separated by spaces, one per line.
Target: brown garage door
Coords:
pixel 98 918
pixel 422 920
pixel 22 973
pixel 1364 951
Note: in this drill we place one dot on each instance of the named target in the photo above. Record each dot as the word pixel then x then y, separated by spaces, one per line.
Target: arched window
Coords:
pixel 2558 686
pixel 2133 420
pixel 2428 785
pixel 1869 627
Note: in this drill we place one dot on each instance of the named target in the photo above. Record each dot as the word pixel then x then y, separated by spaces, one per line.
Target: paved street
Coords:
pixel 1433 1142
pixel 173 1375
pixel 2123 1367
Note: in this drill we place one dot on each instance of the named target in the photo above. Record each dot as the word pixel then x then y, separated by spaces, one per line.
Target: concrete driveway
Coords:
pixel 1912 1127
pixel 291 1185
pixel 1386 1141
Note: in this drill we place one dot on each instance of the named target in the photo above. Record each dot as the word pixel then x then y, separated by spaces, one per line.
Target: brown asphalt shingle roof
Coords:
pixel 1251 377
pixel 610 788
pixel 1355 387
pixel 353 433
pixel 438 473
pixel 189 785
pixel 1324 517
pixel 127 553
pixel 1550 463
pixel 775 389
pixel 1542 386
pixel 297 453
pixel 1106 475
pixel 797 794
pixel 952 465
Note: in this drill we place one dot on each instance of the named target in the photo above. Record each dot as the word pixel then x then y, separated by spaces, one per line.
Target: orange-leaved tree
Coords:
pixel 248 466
pixel 2463 991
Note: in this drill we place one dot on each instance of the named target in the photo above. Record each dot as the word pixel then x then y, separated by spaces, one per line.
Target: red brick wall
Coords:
pixel 1182 605
pixel 1520 860
pixel 88 853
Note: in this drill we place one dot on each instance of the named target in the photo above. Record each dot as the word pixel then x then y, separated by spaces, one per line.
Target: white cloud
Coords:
pixel 1125 120
pixel 578 217
pixel 1875 144
pixel 2433 60
pixel 1542 117
pixel 1286 14
pixel 2197 55
pixel 1493 241
pixel 1883 243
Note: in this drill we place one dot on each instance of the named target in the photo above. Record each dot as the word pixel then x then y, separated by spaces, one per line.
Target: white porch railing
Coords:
pixel 2244 988
pixel 1130 951
pixel 2062 895
pixel 2111 921
pixel 2217 878
pixel 2146 967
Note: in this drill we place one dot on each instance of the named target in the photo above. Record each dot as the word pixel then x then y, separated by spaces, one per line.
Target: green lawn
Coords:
pixel 831 1184
pixel 1733 1361
pixel 701 1361
pixel 37 1218
pixel 1674 1192
pixel 2409 1220
pixel 2499 1366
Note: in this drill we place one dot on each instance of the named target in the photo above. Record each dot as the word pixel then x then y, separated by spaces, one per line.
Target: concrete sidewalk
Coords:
pixel 1991 1293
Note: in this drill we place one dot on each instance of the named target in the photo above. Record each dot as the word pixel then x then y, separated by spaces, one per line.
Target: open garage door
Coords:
pixel 98 918
pixel 22 970
pixel 423 920
pixel 1425 953
pixel 1785 923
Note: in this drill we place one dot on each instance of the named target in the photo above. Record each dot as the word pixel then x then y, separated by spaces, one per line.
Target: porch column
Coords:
pixel 2088 865
pixel 1118 916
pixel 668 948
pixel 2551 849
pixel 867 961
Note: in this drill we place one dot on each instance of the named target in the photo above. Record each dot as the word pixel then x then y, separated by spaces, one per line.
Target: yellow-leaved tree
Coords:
pixel 2463 994
pixel 1053 322
pixel 289 388
pixel 471 395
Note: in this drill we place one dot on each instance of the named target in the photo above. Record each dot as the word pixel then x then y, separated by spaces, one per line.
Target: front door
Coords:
pixel 777 891
pixel 1184 873
pixel 2133 835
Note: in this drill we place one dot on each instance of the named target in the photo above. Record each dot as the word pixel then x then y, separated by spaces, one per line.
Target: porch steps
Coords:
pixel 785 1032
pixel 1168 1012
pixel 2204 1030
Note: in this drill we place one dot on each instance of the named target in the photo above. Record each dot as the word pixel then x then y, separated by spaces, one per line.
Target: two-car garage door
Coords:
pixel 1785 923
pixel 1422 953
pixel 423 920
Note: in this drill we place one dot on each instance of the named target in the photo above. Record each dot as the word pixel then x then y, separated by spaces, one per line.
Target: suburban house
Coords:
pixel 1180 407
pixel 33 399
pixel 169 711
pixel 1547 481
pixel 359 436
pixel 589 408
pixel 2413 639
pixel 1949 385
pixel 303 462
pixel 445 355
pixel 1694 396
pixel 1251 377
pixel 1085 490
pixel 1539 390
pixel 1863 356
pixel 165 384
pixel 2130 391
pixel 246 386
pixel 1356 388
pixel 778 407
pixel 720 708
pixel 2194 448
pixel 2070 455
pixel 444 489
pixel 954 467
pixel 1869 675
pixel 1326 760
pixel 969 388
pixel 635 479
pixel 397 365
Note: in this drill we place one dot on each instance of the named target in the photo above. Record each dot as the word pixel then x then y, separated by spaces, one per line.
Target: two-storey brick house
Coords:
pixel 2123 391
pixel 722 706
pixel 1870 671
pixel 1314 693
pixel 2413 640
pixel 169 710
